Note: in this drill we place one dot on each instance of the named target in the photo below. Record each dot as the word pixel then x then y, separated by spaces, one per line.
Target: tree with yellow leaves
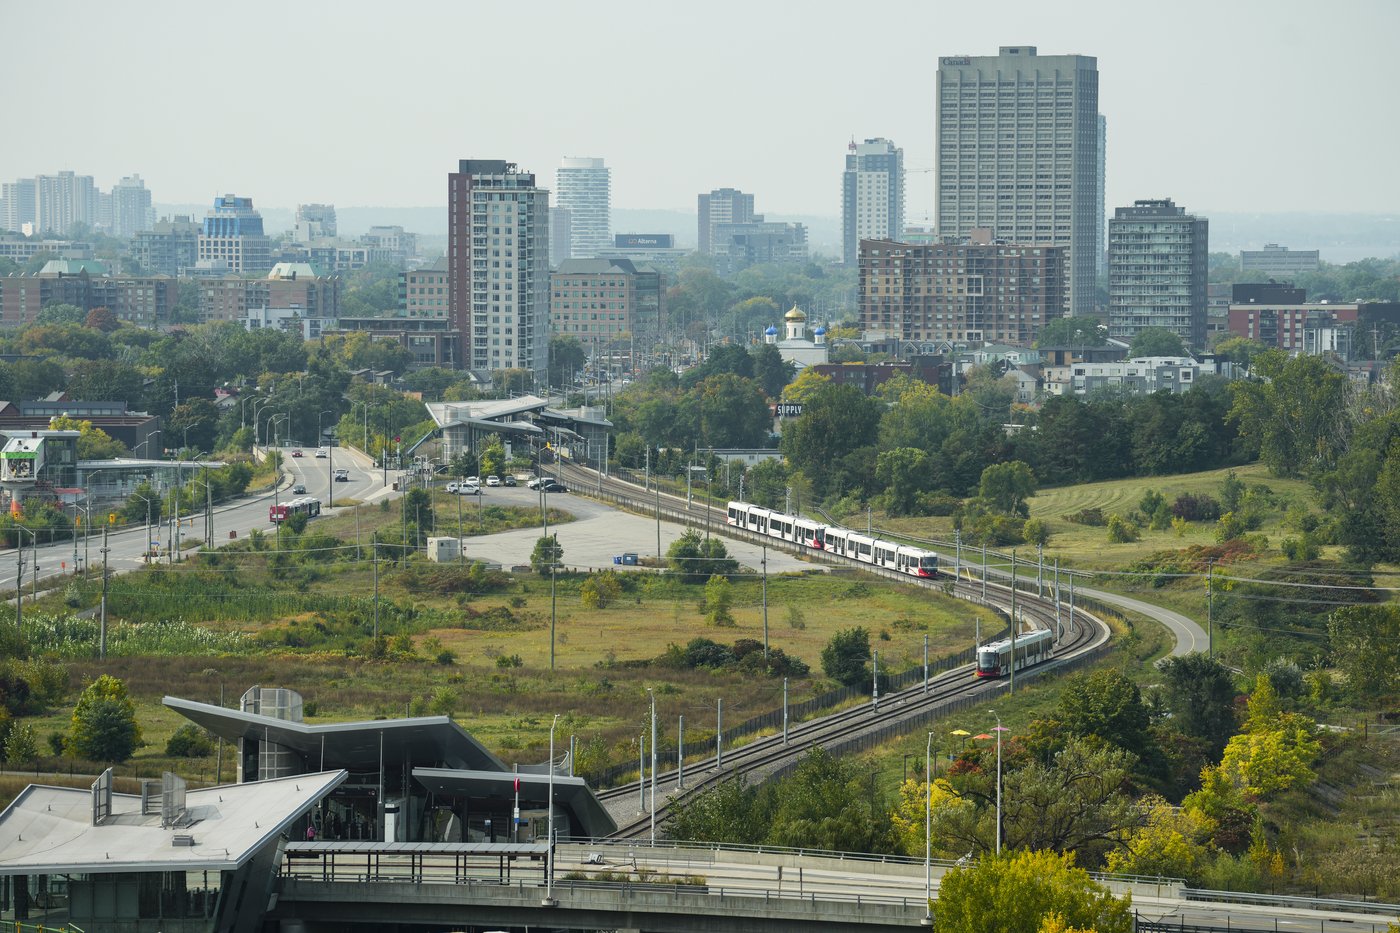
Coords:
pixel 1027 892
pixel 1167 845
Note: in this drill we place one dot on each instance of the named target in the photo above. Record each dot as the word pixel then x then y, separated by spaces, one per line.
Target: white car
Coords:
pixel 468 489
pixel 452 486
pixel 322 453
pixel 493 480
pixel 472 480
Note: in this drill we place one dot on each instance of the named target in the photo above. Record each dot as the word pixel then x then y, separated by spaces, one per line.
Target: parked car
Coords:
pixel 297 452
pixel 533 482
pixel 509 481
pixel 551 485
pixel 473 480
pixel 452 487
pixel 468 489
pixel 299 489
pixel 493 480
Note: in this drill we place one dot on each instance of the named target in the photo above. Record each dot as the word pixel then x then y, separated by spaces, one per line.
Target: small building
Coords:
pixel 168 859
pixel 795 348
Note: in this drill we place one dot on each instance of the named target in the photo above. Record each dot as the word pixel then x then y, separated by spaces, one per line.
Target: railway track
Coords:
pixel 1079 635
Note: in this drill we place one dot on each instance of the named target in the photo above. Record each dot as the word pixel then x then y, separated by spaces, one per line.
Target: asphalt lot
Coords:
pixel 598 533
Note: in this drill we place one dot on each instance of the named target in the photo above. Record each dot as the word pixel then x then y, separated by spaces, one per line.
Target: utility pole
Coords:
pixel 19 583
pixel 1210 621
pixel 102 616
pixel 374 560
pixel 875 679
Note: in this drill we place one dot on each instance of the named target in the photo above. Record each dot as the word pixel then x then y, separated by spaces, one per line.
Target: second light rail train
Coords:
pixel 866 549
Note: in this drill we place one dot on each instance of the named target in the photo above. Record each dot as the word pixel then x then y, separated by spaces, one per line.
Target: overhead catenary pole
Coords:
pixel 680 752
pixel 925 662
pixel 765 603
pixel 785 710
pixel 719 732
pixel 1012 686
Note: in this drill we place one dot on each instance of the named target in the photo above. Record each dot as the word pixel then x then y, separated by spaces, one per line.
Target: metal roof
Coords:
pixel 569 792
pixel 367 847
pixel 50 829
pixel 353 745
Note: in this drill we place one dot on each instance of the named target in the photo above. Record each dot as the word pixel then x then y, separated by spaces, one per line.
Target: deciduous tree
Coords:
pixel 104 722
pixel 1021 892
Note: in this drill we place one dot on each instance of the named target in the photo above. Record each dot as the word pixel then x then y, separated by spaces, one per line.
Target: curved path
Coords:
pixel 1189 635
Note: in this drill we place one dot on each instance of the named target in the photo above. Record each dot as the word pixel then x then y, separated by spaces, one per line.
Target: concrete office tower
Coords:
pixel 722 206
pixel 64 200
pixel 560 225
pixel 584 189
pixel 1018 152
pixel 314 222
pixel 131 207
pixel 498 267
pixel 872 195
pixel 1100 210
pixel 232 238
pixel 1157 265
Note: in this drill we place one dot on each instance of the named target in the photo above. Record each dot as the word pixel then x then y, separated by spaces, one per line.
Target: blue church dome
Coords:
pixel 771 331
pixel 820 330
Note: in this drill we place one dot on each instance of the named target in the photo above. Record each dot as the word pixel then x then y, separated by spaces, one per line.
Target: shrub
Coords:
pixel 1230 526
pixel 1121 531
pixel 1301 549
pixel 1196 508
pixel 1036 532
pixel 189 741
pixel 509 660
pixel 1091 517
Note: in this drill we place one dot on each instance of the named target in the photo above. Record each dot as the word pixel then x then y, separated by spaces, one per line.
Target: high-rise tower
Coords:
pixel 1158 258
pixel 1018 152
pixel 872 196
pixel 721 206
pixel 498 266
pixel 584 189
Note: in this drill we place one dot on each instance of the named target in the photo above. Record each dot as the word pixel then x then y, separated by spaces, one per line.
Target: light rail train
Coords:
pixel 993 660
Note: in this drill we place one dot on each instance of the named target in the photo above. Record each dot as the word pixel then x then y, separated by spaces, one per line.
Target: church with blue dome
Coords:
pixel 795 347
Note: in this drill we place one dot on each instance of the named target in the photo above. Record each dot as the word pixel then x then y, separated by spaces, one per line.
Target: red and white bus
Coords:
pixel 307 505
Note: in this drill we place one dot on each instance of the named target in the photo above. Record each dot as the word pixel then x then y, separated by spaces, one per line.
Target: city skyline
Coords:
pixel 1177 98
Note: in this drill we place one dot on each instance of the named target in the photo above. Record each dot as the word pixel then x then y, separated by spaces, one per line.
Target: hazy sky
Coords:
pixel 1222 105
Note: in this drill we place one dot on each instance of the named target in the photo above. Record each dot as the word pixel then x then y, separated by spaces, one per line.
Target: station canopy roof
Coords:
pixel 352 745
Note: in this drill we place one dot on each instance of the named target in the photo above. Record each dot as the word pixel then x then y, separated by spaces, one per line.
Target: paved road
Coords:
pixel 128 545
pixel 1189 635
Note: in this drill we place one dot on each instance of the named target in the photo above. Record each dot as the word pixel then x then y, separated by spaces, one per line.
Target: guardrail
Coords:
pixel 1293 902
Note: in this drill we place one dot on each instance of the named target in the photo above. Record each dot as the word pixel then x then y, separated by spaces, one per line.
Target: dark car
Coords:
pixel 299 489
pixel 551 485
pixel 509 481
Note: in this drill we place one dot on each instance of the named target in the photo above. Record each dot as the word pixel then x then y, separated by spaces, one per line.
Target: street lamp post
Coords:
pixel 257 434
pixel 998 730
pixel 928 832
pixel 652 694
pixel 549 900
pixel 19 573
